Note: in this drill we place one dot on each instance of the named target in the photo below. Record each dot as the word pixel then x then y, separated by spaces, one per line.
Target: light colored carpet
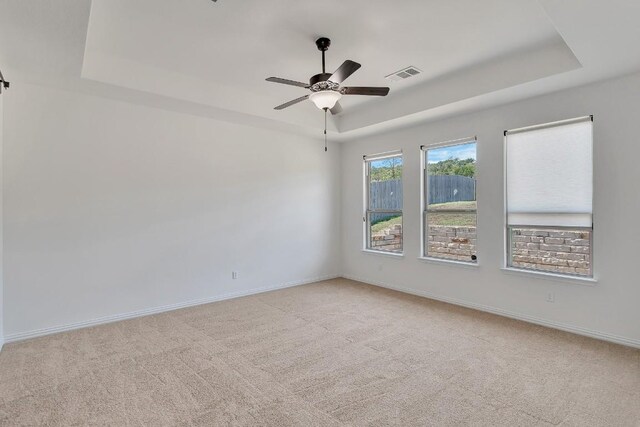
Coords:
pixel 331 353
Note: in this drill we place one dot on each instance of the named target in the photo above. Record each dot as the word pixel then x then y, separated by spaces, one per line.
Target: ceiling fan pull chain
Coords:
pixel 325 129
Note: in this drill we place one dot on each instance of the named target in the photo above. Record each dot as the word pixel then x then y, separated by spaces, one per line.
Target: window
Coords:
pixel 449 200
pixel 383 206
pixel 549 197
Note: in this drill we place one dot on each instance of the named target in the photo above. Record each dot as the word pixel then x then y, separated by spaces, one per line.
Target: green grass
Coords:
pixel 461 219
pixel 379 226
pixel 471 206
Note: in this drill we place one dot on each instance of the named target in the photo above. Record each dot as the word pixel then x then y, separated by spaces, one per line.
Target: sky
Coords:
pixel 461 151
pixel 385 163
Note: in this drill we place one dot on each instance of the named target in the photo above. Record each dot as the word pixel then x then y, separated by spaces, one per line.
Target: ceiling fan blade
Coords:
pixel 290 103
pixel 287 82
pixel 346 69
pixel 337 109
pixel 371 91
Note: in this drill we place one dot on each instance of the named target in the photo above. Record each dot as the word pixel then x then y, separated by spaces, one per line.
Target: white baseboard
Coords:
pixel 524 317
pixel 147 311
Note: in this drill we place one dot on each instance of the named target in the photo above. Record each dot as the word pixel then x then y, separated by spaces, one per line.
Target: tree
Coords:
pixel 386 169
pixel 466 167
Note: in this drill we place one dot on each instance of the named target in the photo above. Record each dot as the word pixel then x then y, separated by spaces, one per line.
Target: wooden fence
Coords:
pixel 442 189
pixel 386 195
pixel 451 188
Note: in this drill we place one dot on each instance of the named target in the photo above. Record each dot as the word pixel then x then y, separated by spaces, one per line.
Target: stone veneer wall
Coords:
pixel 452 242
pixel 389 239
pixel 554 251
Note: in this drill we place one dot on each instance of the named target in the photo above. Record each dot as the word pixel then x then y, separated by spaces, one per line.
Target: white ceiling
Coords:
pixel 211 59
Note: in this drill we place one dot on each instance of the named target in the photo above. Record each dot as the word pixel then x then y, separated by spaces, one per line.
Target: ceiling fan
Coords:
pixel 326 89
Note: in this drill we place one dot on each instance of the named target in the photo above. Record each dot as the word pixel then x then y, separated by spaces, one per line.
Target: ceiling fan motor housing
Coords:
pixel 321 82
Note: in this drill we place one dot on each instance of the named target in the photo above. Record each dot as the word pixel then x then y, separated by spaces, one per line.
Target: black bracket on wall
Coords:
pixel 3 83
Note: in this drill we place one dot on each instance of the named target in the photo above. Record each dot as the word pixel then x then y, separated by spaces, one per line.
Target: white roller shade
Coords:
pixel 550 175
pixel 380 156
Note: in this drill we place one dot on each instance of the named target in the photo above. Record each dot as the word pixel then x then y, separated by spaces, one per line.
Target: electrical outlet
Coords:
pixel 234 274
pixel 551 297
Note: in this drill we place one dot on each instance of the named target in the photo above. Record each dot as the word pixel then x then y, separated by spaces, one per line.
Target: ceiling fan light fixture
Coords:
pixel 325 98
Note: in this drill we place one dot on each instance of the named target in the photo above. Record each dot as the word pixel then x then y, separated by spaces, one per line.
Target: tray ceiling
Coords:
pixel 211 59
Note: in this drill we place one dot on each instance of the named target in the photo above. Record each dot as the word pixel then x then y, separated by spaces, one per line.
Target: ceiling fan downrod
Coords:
pixel 323 44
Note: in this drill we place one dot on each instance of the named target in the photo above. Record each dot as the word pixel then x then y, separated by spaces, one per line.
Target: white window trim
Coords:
pixel 506 268
pixel 451 262
pixel 423 165
pixel 365 202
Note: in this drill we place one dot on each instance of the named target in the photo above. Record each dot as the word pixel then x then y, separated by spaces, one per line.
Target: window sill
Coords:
pixel 389 254
pixel 448 262
pixel 585 281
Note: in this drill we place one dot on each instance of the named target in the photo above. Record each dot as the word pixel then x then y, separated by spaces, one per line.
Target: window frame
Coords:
pixel 367 211
pixel 424 211
pixel 507 228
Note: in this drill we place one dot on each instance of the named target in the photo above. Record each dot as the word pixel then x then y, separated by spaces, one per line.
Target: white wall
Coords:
pixel 113 208
pixel 609 308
